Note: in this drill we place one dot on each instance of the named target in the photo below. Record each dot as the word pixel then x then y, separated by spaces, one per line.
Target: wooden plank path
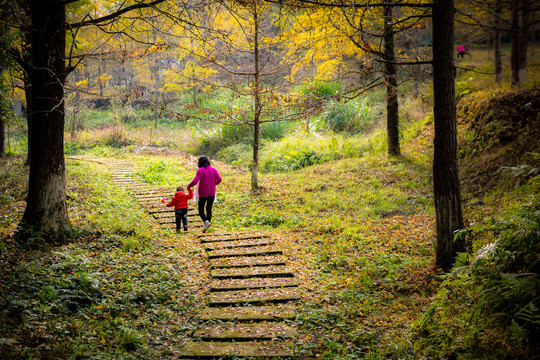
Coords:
pixel 123 175
pixel 250 309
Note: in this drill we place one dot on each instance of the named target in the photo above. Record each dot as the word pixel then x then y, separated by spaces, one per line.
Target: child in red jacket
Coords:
pixel 179 201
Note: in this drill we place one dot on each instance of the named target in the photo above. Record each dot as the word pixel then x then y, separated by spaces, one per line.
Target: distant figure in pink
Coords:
pixel 460 51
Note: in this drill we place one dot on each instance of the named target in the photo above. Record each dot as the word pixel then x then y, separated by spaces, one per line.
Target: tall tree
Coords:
pixel 497 53
pixel 446 188
pixel 519 35
pixel 390 73
pixel 46 208
pixel 46 203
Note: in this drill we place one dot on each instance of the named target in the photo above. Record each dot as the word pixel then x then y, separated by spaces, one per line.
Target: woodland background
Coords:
pixel 321 120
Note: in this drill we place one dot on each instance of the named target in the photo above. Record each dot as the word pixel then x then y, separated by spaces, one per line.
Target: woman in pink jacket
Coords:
pixel 207 177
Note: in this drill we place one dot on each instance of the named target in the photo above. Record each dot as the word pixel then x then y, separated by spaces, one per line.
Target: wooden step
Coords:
pixel 144 190
pixel 228 350
pixel 170 215
pixel 251 313
pixel 247 261
pixel 227 234
pixel 224 298
pixel 243 332
pixel 225 237
pixel 172 220
pixel 196 226
pixel 237 244
pixel 151 197
pixel 247 272
pixel 126 182
pixel 159 209
pixel 124 178
pixel 253 283
pixel 256 251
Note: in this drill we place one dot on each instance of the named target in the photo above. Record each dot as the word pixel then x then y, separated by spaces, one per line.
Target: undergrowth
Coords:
pixel 489 307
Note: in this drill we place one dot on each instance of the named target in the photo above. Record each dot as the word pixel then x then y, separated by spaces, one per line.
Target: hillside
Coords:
pixel 497 131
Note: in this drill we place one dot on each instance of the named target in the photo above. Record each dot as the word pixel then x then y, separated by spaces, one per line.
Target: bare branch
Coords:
pixel 116 14
pixel 349 4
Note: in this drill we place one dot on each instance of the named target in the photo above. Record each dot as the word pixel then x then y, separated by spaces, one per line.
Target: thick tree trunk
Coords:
pixel 46 209
pixel 445 169
pixel 392 106
pixel 497 42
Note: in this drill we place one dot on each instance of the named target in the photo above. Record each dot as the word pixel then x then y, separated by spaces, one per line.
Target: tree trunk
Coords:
pixel 392 106
pixel 28 95
pixel 445 169
pixel 257 104
pixel 2 136
pixel 523 42
pixel 514 38
pixel 3 113
pixel 46 209
pixel 488 44
pixel 497 43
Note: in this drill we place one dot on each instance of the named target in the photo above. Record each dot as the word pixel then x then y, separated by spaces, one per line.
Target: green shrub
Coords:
pixel 217 137
pixel 320 89
pixel 237 154
pixel 351 117
pixel 295 153
pixel 274 130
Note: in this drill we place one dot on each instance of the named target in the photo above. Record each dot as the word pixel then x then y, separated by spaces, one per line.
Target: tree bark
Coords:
pixel 46 209
pixel 447 194
pixel 2 136
pixel 523 42
pixel 28 95
pixel 3 111
pixel 497 43
pixel 515 43
pixel 257 101
pixel 392 105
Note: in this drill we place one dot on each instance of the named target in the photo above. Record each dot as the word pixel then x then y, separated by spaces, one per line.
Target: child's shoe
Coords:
pixel 185 228
pixel 178 231
pixel 206 226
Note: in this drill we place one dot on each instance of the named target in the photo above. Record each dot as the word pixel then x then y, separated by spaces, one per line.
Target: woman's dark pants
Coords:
pixel 206 202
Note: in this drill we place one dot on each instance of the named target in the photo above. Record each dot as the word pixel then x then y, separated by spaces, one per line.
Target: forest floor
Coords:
pixel 358 233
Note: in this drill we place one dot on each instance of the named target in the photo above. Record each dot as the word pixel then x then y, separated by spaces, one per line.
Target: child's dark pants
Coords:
pixel 208 202
pixel 181 217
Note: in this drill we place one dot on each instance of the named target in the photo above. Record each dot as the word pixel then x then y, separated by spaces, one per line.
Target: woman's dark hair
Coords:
pixel 204 162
